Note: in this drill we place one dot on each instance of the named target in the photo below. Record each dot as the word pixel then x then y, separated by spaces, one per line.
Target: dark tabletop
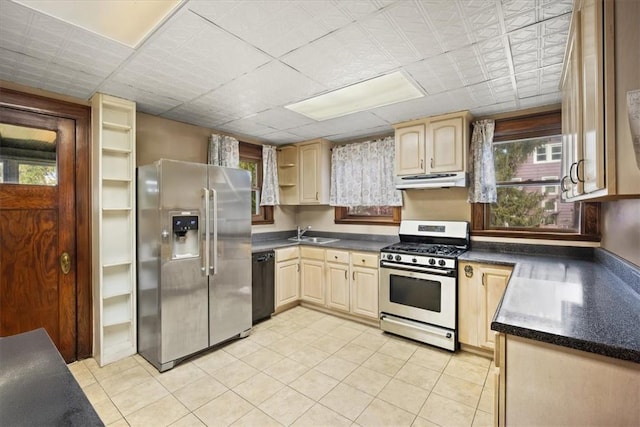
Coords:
pixel 37 388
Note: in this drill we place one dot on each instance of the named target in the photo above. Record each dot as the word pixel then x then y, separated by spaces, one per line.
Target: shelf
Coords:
pixel 115 209
pixel 115 126
pixel 287 165
pixel 117 264
pixel 117 323
pixel 116 150
pixel 117 179
pixel 287 185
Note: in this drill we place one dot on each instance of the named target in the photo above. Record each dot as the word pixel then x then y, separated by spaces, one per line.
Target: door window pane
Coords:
pixel 27 155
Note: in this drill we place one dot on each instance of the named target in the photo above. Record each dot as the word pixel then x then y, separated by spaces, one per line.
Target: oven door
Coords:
pixel 420 296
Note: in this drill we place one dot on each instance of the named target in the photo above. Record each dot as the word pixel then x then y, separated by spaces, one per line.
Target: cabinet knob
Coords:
pixel 363 261
pixel 432 163
pixel 335 256
pixel 468 271
pixel 421 163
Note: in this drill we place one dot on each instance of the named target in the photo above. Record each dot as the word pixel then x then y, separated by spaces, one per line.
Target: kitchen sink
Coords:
pixel 317 240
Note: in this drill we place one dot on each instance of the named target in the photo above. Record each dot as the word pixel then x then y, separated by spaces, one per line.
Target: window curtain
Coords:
pixel 223 151
pixel 270 189
pixel 362 174
pixel 482 188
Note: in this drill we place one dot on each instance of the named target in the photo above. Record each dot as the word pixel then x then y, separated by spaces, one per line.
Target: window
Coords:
pixel 527 158
pixel 373 215
pixel 251 160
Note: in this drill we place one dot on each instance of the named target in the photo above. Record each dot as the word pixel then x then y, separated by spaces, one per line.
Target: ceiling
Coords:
pixel 234 65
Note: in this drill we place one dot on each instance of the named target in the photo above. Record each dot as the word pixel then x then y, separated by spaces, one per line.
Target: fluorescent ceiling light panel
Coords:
pixel 125 21
pixel 377 92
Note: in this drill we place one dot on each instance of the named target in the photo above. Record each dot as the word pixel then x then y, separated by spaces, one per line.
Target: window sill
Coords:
pixel 366 222
pixel 520 234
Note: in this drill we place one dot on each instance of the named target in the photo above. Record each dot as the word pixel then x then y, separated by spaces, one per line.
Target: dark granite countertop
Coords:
pixel 575 302
pixel 347 241
pixel 37 388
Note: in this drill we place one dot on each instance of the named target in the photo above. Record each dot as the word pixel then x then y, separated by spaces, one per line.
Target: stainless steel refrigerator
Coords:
pixel 194 258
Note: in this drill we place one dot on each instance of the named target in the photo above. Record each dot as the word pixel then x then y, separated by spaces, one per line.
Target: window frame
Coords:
pixel 253 153
pixel 342 216
pixel 527 126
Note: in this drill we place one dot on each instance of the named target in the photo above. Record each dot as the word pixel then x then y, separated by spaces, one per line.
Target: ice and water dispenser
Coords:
pixel 185 238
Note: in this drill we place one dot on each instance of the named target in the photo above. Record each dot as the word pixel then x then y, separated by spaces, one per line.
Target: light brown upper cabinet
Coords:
pixel 303 173
pixel 432 145
pixel 599 70
pixel 288 175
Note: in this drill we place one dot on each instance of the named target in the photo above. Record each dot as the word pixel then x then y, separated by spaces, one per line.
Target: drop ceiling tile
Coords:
pixel 351 123
pixel 280 138
pixel 481 94
pixel 246 126
pixel 494 108
pixel 445 19
pixel 540 100
pixel 146 102
pixel 557 24
pixel 555 8
pixel 521 20
pixel 373 133
pixel 413 109
pixel 282 118
pixel 482 18
pixel 514 7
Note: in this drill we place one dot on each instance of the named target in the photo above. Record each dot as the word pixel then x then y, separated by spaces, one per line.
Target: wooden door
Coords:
pixel 38 226
pixel 338 286
pixel 287 282
pixel 310 173
pixel 364 291
pixel 444 145
pixel 494 282
pixel 312 281
pixel 410 150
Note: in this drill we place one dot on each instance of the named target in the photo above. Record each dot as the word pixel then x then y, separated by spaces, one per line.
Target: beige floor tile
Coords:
pixel 286 405
pixel 489 382
pixel 160 413
pixel 381 413
pixel 370 340
pixel 286 328
pixel 234 373
pixel 320 415
pixel 286 370
pixel 199 392
pixel 213 361
pixel 117 383
pixel 307 335
pixel 384 364
pixel 286 346
pixel 404 395
pixel 181 375
pixel 102 373
pixel 265 336
pixel 398 349
pixel 446 412
pixel 476 359
pixel 256 418
pixel 367 380
pixel 421 422
pixel 95 393
pixel 310 356
pixel 430 358
pixel 139 396
pixel 224 410
pixel 241 348
pixel 327 324
pixel 354 353
pixel 482 419
pixel 329 344
pixel 466 371
pixel 418 376
pixel 188 420
pixel 344 332
pixel 146 365
pixel 346 401
pixel 263 358
pixel 336 367
pixel 258 388
pixel 486 401
pixel 459 390
pixel 314 384
pixel 119 423
pixel 81 373
pixel 107 411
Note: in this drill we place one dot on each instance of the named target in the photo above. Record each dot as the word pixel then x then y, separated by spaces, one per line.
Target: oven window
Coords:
pixel 419 293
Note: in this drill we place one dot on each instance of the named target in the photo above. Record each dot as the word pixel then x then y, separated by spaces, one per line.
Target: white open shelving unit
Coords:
pixel 113 228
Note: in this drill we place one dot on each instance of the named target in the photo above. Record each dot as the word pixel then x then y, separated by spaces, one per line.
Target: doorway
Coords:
pixel 44 220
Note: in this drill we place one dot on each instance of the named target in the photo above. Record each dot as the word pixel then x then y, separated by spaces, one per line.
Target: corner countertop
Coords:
pixel 351 244
pixel 572 302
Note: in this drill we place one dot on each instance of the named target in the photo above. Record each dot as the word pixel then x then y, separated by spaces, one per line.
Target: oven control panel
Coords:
pixel 421 260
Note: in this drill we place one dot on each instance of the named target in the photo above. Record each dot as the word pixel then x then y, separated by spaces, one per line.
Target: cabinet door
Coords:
pixel 364 291
pixel 468 315
pixel 592 168
pixel 310 173
pixel 444 145
pixel 312 281
pixel 410 150
pixel 493 282
pixel 338 286
pixel 288 175
pixel 287 282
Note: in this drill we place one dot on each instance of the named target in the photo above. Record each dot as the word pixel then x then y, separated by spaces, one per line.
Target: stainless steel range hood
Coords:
pixel 434 180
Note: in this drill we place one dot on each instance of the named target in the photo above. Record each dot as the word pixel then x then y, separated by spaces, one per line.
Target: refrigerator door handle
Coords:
pixel 214 261
pixel 205 258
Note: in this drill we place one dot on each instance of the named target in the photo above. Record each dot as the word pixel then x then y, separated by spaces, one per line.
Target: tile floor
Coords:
pixel 301 368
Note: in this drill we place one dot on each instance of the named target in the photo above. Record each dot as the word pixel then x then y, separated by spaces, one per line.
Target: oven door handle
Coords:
pixel 446 335
pixel 393 266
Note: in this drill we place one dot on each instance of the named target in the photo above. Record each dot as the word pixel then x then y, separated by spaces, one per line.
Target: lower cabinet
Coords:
pixel 287 276
pixel 337 280
pixel 480 289
pixel 364 284
pixel 312 275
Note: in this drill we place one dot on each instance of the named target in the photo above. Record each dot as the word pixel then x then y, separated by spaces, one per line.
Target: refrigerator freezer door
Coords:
pixel 230 279
pixel 184 285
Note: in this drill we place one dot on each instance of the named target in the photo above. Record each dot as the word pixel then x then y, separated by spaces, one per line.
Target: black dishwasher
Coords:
pixel 262 285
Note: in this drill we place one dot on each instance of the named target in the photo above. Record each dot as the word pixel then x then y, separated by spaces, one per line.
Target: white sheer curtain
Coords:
pixel 270 190
pixel 223 151
pixel 482 172
pixel 362 174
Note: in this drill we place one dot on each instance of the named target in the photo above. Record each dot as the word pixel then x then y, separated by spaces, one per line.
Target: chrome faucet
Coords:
pixel 302 231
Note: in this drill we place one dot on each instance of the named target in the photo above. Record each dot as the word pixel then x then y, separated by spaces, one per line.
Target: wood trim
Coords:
pixel 529 126
pixel 82 116
pixel 342 217
pixel 254 152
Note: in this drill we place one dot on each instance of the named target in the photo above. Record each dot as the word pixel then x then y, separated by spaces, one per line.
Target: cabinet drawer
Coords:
pixel 313 253
pixel 364 259
pixel 337 256
pixel 286 253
